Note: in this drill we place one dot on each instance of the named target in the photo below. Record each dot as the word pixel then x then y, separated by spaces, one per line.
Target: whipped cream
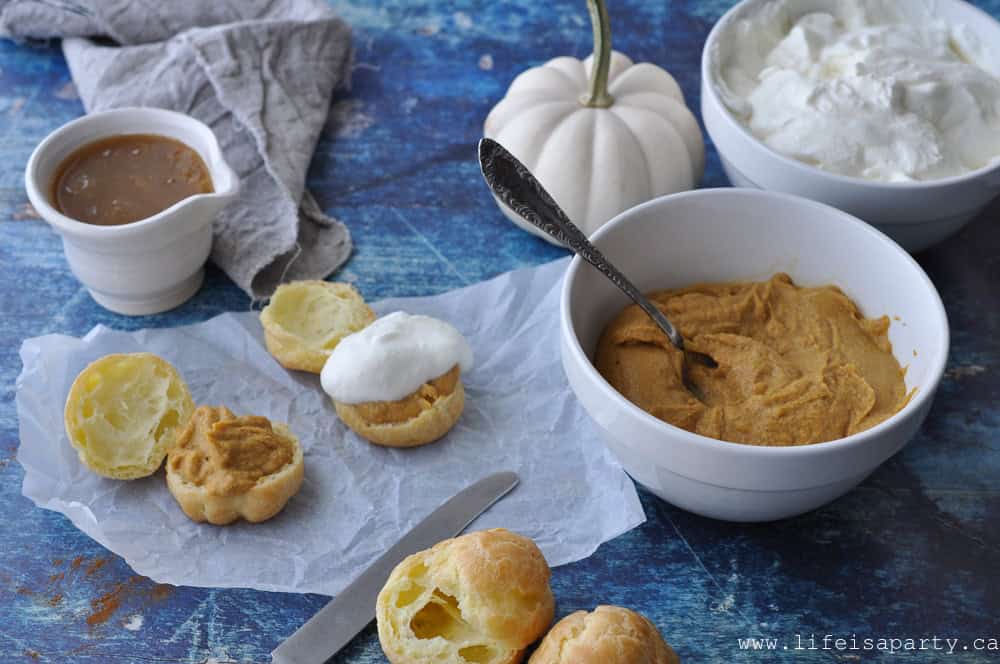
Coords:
pixel 392 358
pixel 875 89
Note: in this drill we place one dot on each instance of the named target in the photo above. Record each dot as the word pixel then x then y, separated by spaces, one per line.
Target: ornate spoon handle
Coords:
pixel 518 189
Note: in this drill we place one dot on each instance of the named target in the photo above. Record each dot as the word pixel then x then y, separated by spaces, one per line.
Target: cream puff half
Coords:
pixel 122 413
pixel 305 320
pixel 224 468
pixel 398 382
pixel 417 419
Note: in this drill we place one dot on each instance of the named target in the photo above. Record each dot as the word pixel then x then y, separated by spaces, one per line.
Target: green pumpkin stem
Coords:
pixel 598 96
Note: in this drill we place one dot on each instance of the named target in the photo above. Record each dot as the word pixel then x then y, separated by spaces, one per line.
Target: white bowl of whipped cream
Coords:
pixel 887 110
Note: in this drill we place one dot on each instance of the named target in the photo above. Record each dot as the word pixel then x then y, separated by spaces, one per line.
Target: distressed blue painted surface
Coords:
pixel 913 553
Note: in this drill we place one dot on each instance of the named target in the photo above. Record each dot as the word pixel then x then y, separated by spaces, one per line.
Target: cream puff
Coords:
pixel 483 597
pixel 606 635
pixel 398 382
pixel 223 467
pixel 305 320
pixel 122 413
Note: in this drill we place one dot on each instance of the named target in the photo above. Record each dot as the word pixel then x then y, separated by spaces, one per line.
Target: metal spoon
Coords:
pixel 518 189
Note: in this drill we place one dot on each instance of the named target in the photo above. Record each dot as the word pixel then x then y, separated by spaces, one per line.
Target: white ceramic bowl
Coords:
pixel 744 234
pixel 915 214
pixel 150 265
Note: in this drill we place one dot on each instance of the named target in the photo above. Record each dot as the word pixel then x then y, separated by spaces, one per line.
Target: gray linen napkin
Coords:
pixel 260 73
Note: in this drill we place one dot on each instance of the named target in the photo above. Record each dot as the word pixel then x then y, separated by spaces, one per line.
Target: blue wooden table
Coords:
pixel 913 553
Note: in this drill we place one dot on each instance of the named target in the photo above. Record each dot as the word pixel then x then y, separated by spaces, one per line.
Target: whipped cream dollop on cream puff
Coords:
pixel 391 358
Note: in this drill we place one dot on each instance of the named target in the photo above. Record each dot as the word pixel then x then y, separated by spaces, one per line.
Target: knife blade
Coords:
pixel 332 628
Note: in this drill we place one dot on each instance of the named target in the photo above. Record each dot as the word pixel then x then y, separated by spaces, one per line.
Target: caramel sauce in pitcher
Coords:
pixel 123 179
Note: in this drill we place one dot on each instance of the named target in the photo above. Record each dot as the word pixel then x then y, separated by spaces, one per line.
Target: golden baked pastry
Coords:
pixel 606 635
pixel 417 419
pixel 482 597
pixel 225 467
pixel 122 412
pixel 305 320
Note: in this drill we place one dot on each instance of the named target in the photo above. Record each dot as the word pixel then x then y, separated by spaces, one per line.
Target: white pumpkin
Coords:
pixel 599 146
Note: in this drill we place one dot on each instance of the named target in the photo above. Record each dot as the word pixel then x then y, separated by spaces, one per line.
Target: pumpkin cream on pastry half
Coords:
pixel 225 467
pixel 398 382
pixel 606 635
pixel 122 412
pixel 482 597
pixel 417 419
pixel 305 320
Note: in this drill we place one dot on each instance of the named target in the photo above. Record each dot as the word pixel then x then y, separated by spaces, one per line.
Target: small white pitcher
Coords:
pixel 149 265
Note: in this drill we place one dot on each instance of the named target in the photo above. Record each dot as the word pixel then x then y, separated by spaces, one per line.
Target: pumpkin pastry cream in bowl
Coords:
pixel 224 467
pixel 398 381
pixel 830 339
pixel 796 365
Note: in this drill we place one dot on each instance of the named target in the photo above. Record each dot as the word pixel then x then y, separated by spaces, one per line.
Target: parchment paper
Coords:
pixel 357 499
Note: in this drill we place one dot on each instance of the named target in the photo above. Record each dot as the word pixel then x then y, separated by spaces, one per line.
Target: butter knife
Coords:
pixel 348 613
